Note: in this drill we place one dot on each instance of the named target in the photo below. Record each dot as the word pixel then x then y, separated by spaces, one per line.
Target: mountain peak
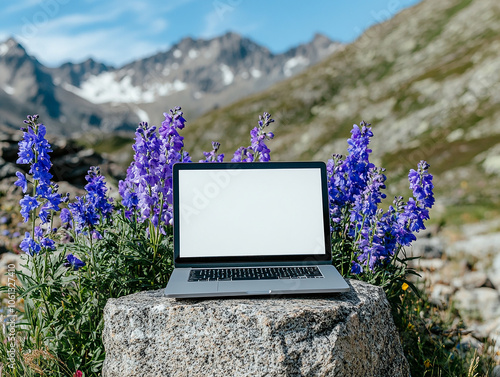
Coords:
pixel 11 46
pixel 321 38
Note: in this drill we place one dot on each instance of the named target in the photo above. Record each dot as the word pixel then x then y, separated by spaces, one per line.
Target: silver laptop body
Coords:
pixel 231 217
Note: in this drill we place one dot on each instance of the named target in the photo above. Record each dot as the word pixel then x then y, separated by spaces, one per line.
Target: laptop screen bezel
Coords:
pixel 306 259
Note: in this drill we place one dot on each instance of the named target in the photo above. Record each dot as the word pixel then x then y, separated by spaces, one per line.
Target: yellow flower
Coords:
pixel 405 286
pixel 410 326
pixel 427 364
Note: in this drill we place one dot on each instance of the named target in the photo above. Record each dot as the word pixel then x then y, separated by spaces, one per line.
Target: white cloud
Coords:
pixel 157 26
pixel 113 32
pixel 111 46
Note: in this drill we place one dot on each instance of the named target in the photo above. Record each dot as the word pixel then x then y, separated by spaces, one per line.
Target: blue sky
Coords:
pixel 119 31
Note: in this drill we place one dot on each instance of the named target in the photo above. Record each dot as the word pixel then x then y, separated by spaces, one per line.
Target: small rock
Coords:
pixel 478 246
pixel 432 247
pixel 454 269
pixel 495 271
pixel 472 279
pixel 479 303
pixel 441 294
pixel 7 169
pixel 496 371
pixel 485 330
pixel 430 264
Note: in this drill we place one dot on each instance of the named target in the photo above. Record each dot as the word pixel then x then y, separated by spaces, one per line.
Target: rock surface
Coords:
pixel 350 334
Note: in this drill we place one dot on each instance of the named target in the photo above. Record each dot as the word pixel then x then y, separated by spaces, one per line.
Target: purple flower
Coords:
pixel 29 245
pixel 21 181
pixel 65 216
pixel 94 207
pixel 48 243
pixel 28 204
pixel 213 156
pixel 356 268
pixel 74 262
pixel 243 155
pixel 38 232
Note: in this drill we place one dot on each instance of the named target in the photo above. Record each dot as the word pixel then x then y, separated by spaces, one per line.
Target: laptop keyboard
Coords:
pixel 254 273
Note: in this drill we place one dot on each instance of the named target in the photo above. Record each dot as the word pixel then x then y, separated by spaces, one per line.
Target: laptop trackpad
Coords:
pixel 258 287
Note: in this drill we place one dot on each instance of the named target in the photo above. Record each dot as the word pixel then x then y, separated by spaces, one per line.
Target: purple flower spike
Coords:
pixel 258 148
pixel 213 156
pixel 34 150
pixel 355 191
pixel 147 190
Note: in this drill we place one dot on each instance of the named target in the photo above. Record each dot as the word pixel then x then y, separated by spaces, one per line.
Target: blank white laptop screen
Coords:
pixel 247 212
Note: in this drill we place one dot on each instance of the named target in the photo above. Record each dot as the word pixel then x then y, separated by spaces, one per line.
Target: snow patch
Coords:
pixel 167 88
pixel 8 89
pixel 227 74
pixel 106 87
pixel 255 73
pixel 177 53
pixel 143 116
pixel 245 75
pixel 294 63
pixel 193 54
pixel 3 49
pixel 197 95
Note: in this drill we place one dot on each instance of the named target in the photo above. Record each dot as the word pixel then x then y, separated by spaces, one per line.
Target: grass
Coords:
pixel 432 339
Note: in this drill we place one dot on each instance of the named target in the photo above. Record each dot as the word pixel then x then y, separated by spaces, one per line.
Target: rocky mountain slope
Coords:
pixel 428 80
pixel 200 74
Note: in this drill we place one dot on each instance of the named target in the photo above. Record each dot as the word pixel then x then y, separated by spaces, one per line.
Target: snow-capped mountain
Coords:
pixel 28 87
pixel 197 74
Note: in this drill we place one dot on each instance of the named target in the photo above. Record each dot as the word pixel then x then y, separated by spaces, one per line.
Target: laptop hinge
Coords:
pixel 252 264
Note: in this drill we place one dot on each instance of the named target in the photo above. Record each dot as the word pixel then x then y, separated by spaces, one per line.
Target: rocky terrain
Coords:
pixel 460 270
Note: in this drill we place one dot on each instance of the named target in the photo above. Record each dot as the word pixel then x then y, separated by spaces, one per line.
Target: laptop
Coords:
pixel 251 229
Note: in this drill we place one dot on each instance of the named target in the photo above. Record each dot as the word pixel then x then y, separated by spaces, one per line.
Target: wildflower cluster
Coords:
pixel 258 150
pixel 34 150
pixel 147 189
pixel 86 212
pixel 355 188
